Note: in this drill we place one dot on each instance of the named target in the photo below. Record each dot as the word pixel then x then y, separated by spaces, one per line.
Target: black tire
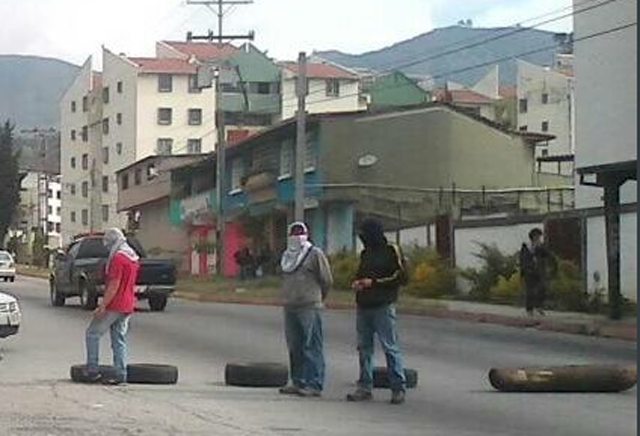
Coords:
pixel 151 374
pixel 57 299
pixel 381 378
pixel 88 297
pixel 13 279
pixel 78 372
pixel 256 375
pixel 157 303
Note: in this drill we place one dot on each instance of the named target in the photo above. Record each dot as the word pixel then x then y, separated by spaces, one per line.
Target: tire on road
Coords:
pixel 152 374
pixel 256 375
pixel 78 372
pixel 57 299
pixel 381 378
pixel 157 303
pixel 564 379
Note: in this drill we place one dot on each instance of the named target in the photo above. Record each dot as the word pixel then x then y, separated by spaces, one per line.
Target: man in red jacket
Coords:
pixel 115 308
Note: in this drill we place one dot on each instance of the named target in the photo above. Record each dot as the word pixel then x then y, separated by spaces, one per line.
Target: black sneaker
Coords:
pixel 398 397
pixel 309 393
pixel 359 395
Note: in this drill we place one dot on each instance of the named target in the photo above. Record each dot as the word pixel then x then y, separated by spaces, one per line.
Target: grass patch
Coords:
pixel 33 271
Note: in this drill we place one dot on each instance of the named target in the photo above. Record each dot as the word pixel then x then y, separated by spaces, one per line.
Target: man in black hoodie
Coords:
pixel 379 277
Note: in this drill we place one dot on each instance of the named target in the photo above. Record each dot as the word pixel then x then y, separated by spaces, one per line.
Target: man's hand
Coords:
pixel 362 284
pixel 99 312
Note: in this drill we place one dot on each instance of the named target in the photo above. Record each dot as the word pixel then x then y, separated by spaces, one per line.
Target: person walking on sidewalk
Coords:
pixel 115 309
pixel 307 280
pixel 381 273
pixel 535 260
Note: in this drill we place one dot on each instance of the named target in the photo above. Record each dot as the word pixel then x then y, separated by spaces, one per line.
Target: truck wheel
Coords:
pixel 381 378
pixel 157 303
pixel 256 375
pixel 13 279
pixel 152 374
pixel 57 299
pixel 88 297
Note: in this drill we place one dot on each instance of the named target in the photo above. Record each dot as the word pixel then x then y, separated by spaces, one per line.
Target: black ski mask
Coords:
pixel 372 234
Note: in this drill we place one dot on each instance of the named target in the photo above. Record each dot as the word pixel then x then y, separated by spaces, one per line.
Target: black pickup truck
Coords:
pixel 79 272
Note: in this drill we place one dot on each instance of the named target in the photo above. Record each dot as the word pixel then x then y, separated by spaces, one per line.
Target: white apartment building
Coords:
pixel 40 207
pixel 331 89
pixel 54 212
pixel 139 107
pixel 546 102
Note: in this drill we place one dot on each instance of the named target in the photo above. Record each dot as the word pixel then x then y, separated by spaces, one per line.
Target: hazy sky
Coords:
pixel 74 29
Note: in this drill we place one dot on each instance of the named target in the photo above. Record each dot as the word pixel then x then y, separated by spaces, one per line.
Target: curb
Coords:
pixel 622 332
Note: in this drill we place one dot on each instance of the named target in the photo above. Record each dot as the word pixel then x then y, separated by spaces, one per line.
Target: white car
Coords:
pixel 10 315
pixel 7 267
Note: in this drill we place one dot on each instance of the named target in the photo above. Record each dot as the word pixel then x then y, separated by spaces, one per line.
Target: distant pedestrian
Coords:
pixel 115 309
pixel 307 280
pixel 245 260
pixel 381 273
pixel 535 262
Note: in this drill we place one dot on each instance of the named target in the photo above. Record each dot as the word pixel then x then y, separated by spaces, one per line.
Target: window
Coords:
pixel 72 189
pixel 137 176
pixel 545 126
pixel 151 171
pixel 194 146
pixel 85 161
pixel 524 128
pixel 119 87
pixel 237 173
pixel 49 227
pixel 165 83
pixel 286 160
pixel 195 117
pixel 105 213
pixel 73 216
pixel 85 189
pixel 545 98
pixel 50 193
pixel 85 217
pixel 119 148
pixel 105 126
pixel 73 106
pixel 85 103
pixel 49 210
pixel 105 95
pixel 58 227
pixel 545 152
pixel 85 133
pixel 523 106
pixel 263 88
pixel 165 146
pixel 333 88
pixel 59 195
pixel 58 209
pixel 73 162
pixel 309 155
pixel 105 155
pixel 119 119
pixel 125 182
pixel 193 84
pixel 164 116
pixel 73 134
pixel 105 184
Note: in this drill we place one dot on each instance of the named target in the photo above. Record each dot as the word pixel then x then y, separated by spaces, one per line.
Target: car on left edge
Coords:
pixel 10 315
pixel 7 266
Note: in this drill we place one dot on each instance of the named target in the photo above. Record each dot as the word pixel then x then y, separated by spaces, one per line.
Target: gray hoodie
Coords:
pixel 309 284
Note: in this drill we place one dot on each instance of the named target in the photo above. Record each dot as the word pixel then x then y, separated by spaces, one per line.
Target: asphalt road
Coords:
pixel 453 398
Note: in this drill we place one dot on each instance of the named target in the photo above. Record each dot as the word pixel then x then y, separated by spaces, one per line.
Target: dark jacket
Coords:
pixel 381 262
pixel 535 264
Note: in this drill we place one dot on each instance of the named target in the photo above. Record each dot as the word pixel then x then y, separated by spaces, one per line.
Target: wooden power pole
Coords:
pixel 301 136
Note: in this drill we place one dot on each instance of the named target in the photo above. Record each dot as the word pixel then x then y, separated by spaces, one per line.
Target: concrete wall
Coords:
pixel 606 93
pixel 317 100
pixel 597 254
pixel 533 82
pixel 340 231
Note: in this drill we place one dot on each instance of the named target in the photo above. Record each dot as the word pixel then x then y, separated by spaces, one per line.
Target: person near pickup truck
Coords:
pixel 115 309
pixel 306 281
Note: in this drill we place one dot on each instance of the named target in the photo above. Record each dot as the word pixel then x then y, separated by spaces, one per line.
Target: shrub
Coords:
pixel 429 275
pixel 344 266
pixel 495 265
pixel 507 290
pixel 566 290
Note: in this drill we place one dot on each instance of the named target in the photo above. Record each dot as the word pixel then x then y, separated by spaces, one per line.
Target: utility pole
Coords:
pixel 220 115
pixel 301 136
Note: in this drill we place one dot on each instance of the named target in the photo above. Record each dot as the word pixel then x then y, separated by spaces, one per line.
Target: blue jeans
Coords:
pixel 303 329
pixel 118 325
pixel 380 321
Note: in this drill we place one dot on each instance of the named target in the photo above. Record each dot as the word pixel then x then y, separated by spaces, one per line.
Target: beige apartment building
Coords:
pixel 136 108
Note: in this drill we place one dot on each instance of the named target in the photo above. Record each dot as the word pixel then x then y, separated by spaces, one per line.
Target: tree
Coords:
pixel 9 179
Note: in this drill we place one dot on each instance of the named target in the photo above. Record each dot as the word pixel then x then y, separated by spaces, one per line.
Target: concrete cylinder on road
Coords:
pixel 587 378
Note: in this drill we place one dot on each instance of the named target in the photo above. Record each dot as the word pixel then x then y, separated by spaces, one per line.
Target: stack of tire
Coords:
pixel 139 373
